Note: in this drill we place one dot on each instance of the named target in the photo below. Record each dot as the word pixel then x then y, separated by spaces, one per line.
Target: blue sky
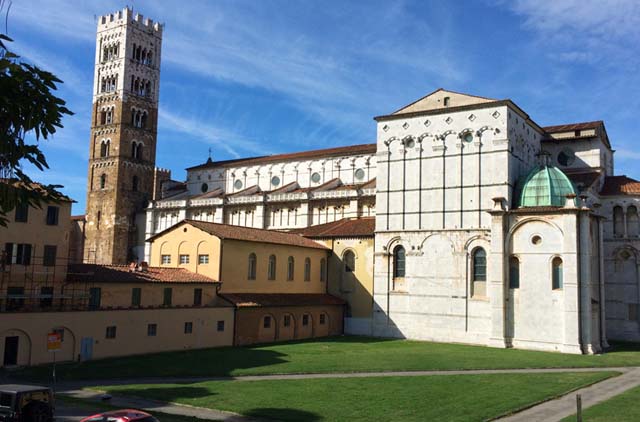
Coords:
pixel 259 77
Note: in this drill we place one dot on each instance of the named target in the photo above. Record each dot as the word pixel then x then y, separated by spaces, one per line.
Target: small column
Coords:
pixel 303 216
pixel 218 215
pixel 149 231
pixel 496 274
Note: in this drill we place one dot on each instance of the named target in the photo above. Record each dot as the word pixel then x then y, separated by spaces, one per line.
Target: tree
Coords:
pixel 27 106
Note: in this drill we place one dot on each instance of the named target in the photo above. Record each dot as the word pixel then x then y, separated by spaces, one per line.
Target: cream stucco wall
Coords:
pixel 116 295
pixel 131 332
pixel 188 240
pixel 354 287
pixel 235 268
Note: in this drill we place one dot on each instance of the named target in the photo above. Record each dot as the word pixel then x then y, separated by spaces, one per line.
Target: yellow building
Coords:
pixel 122 310
pixel 350 267
pixel 33 258
pixel 277 281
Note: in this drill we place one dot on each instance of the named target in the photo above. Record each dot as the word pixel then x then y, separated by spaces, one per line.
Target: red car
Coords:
pixel 126 415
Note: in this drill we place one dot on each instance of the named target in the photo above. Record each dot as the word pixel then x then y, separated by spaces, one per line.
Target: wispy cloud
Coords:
pixel 222 138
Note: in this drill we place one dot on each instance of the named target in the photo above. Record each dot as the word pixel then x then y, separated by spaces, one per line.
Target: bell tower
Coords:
pixel 122 147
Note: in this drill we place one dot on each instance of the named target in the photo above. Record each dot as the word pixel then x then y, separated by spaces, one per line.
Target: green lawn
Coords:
pixel 424 398
pixel 339 354
pixel 622 408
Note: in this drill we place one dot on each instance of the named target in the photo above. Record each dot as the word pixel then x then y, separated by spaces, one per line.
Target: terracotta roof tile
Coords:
pixel 328 152
pixel 348 227
pixel 93 273
pixel 620 185
pixel 226 231
pixel 261 300
pixel 573 126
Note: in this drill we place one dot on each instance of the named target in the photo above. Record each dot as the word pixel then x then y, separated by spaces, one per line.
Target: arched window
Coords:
pixel 103 181
pixel 618 221
pixel 104 148
pixel 290 268
pixel 307 269
pixel 272 268
pixel 143 120
pixel 323 270
pixel 556 273
pixel 514 273
pixel 399 257
pixel 109 117
pixel 632 222
pixel 134 184
pixel 251 275
pixel 349 260
pixel 479 265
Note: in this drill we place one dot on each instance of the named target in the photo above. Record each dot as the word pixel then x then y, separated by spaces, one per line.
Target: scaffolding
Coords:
pixel 38 285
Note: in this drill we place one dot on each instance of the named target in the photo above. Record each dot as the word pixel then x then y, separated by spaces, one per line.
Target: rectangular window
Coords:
pixel 267 322
pixel 305 319
pixel 166 301
pixel 287 320
pixel 152 330
pixel 203 259
pixel 184 259
pixel 46 297
pixel 220 325
pixel 22 213
pixel 95 294
pixel 52 215
pixel 166 259
pixel 50 252
pixel 633 312
pixel 197 297
pixel 136 296
pixel 323 319
pixel 15 298
pixel 188 327
pixel 111 332
pixel 18 253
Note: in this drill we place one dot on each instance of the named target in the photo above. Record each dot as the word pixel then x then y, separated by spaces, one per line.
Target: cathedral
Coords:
pixel 489 228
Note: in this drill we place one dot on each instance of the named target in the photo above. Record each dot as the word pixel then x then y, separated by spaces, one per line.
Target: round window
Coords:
pixel 536 240
pixel 467 137
pixel 275 180
pixel 204 187
pixel 566 157
pixel 409 143
pixel 359 174
pixel 315 177
pixel 237 184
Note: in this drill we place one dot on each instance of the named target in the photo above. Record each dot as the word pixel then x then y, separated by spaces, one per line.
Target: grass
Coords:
pixel 95 407
pixel 621 408
pixel 338 354
pixel 441 397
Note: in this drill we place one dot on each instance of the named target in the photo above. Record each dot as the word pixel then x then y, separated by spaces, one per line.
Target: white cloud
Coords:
pixel 229 141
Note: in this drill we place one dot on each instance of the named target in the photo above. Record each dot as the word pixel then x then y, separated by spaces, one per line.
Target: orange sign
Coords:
pixel 54 342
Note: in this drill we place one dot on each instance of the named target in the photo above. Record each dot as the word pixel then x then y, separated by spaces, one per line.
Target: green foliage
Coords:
pixel 622 408
pixel 27 106
pixel 422 398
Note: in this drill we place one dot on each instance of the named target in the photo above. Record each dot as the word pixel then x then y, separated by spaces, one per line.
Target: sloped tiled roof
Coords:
pixel 573 126
pixel 328 152
pixel 584 179
pixel 347 227
pixel 620 185
pixel 261 300
pixel 93 273
pixel 226 231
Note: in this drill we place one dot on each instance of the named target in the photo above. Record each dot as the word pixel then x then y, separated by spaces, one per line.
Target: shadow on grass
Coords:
pixel 165 394
pixel 278 414
pixel 221 361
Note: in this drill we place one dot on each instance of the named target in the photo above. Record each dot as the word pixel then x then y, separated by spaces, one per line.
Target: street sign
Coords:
pixel 54 342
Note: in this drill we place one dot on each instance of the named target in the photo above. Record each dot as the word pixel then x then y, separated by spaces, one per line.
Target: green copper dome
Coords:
pixel 545 186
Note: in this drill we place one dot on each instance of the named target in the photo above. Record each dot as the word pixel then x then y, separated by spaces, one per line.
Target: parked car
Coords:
pixel 26 403
pixel 126 415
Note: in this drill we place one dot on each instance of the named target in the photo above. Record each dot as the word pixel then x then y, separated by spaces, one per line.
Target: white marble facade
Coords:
pixel 443 182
